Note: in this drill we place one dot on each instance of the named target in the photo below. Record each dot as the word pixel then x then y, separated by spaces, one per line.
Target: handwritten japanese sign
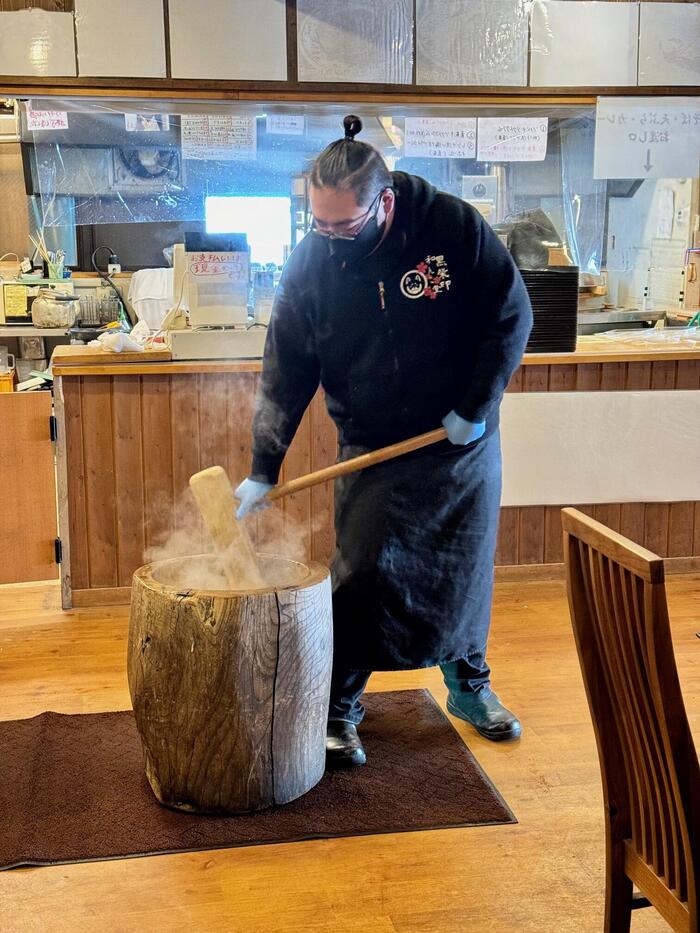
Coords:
pixel 285 124
pixel 647 137
pixel 231 266
pixel 512 139
pixel 47 120
pixel 440 137
pixel 218 137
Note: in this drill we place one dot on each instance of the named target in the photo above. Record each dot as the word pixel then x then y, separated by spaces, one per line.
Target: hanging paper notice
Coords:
pixel 440 137
pixel 218 137
pixel 47 120
pixel 146 122
pixel 647 137
pixel 285 124
pixel 512 139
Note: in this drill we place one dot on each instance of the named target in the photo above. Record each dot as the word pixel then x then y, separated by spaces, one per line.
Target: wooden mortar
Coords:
pixel 230 688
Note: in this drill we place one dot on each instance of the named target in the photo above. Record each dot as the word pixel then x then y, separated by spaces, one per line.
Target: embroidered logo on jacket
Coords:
pixel 428 279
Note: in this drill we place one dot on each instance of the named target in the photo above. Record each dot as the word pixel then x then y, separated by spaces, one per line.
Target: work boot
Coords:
pixel 484 711
pixel 343 746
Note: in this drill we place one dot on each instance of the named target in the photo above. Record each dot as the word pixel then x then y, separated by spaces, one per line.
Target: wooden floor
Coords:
pixel 543 875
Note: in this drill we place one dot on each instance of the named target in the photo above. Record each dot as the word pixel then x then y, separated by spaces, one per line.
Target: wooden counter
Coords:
pixel 77 360
pixel 132 432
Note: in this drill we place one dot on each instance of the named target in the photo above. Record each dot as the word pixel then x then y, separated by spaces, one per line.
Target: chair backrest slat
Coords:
pixel 629 587
pixel 648 760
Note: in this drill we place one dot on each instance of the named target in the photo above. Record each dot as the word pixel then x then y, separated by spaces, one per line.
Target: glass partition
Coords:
pixel 169 168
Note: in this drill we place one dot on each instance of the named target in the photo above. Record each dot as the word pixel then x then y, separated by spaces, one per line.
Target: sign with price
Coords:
pixel 218 137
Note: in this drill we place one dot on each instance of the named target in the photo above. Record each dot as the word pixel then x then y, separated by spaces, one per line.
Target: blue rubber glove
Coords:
pixel 251 495
pixel 460 431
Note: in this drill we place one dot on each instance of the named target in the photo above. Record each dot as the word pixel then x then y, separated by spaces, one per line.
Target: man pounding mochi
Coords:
pixel 404 305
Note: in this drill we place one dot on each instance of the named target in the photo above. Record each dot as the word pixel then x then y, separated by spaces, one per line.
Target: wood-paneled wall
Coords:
pixel 133 441
pixel 607 377
pixel 533 535
pixel 53 6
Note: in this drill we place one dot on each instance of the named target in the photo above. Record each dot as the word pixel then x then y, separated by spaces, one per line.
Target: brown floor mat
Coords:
pixel 73 789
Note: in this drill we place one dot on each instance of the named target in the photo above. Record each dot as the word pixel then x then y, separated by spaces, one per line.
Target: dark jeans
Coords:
pixel 467 675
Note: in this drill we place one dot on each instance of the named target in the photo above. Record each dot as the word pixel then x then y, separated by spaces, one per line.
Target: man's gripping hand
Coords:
pixel 251 495
pixel 460 431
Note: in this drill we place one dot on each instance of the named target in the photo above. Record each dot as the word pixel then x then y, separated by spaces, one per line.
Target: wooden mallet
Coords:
pixel 216 502
pixel 214 495
pixel 356 463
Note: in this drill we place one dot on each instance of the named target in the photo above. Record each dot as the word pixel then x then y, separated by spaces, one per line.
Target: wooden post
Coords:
pixel 230 689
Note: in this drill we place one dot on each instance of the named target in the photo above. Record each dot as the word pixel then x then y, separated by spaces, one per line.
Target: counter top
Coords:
pixel 89 361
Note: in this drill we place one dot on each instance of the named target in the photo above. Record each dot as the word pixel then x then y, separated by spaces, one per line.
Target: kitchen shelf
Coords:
pixel 20 330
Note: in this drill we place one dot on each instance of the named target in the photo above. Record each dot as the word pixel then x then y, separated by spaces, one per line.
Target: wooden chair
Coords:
pixel 649 765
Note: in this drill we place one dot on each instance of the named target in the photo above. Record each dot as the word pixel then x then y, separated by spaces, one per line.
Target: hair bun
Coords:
pixel 352 126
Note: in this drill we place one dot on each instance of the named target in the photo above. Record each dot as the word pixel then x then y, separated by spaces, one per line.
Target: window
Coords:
pixel 265 220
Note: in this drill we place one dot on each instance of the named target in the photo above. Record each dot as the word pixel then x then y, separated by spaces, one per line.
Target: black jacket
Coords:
pixel 436 319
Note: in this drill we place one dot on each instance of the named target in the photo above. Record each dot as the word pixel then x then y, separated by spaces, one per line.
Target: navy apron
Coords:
pixel 413 569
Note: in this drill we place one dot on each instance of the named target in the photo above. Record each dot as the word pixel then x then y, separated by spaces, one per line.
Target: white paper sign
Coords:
pixel 218 137
pixel 664 213
pixel 146 122
pixel 440 137
pixel 47 120
pixel 512 139
pixel 285 124
pixel 647 137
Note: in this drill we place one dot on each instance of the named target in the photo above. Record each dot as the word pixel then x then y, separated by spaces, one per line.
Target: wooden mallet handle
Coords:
pixel 357 463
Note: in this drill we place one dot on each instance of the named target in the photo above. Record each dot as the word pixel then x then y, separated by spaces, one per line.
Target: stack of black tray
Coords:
pixel 554 296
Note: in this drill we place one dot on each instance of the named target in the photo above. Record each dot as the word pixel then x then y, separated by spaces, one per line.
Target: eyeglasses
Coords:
pixel 362 220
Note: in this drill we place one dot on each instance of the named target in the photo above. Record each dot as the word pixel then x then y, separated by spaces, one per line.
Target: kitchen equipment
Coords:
pixel 52 309
pixel 264 282
pixel 96 312
pixel 230 343
pixel 230 686
pixel 16 298
pixel 32 348
pixel 595 322
pixel 214 281
pixel 24 369
pixel 7 381
pixel 5 357
pixel 554 296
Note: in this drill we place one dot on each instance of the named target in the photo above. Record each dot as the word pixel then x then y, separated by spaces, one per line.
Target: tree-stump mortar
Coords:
pixel 230 689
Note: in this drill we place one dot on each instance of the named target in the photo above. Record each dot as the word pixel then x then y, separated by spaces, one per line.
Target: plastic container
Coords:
pixel 32 348
pixel 7 381
pixel 26 367
pixel 49 309
pixel 263 295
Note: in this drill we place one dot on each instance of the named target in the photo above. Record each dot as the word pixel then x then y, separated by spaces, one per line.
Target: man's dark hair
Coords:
pixel 351 165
